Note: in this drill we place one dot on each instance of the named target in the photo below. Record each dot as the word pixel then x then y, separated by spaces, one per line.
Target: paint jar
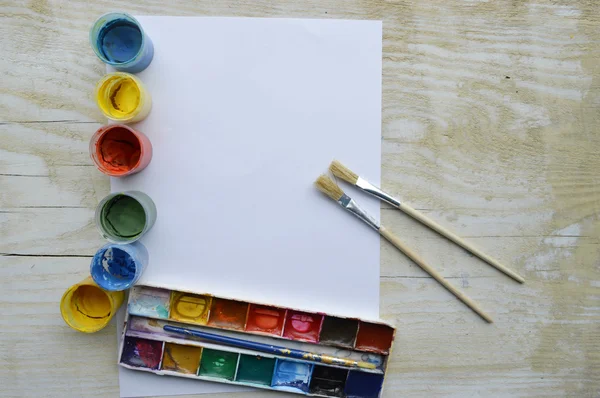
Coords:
pixel 87 308
pixel 123 98
pixel 124 217
pixel 118 150
pixel 119 40
pixel 117 267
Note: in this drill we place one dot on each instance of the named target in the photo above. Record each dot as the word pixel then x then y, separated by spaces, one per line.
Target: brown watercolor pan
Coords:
pixel 374 337
pixel 228 314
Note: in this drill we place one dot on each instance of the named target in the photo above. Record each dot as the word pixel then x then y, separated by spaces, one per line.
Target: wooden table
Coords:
pixel 491 117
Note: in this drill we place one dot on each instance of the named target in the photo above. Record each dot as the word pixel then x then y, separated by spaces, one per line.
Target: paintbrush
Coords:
pixel 341 171
pixel 271 349
pixel 330 188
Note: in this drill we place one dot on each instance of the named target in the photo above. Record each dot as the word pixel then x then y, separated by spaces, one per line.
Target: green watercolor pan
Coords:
pixel 146 346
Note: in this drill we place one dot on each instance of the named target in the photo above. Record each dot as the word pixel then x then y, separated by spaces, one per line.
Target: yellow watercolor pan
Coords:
pixel 122 97
pixel 187 307
pixel 181 358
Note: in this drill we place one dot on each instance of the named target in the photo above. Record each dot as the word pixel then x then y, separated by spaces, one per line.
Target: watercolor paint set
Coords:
pixel 189 334
pixel 342 357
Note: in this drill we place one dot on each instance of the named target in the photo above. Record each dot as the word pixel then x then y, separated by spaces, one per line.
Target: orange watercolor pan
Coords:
pixel 228 314
pixel 265 319
pixel 374 337
pixel 302 326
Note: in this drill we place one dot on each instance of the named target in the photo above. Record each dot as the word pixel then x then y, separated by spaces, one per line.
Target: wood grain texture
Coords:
pixel 490 127
pixel 417 215
pixel 415 258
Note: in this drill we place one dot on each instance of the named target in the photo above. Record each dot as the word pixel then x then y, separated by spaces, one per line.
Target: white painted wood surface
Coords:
pixel 491 111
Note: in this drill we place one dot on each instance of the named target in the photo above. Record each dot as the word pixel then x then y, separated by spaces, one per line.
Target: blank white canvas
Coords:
pixel 247 113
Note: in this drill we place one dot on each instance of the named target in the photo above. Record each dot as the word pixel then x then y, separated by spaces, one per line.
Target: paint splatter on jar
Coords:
pixel 117 267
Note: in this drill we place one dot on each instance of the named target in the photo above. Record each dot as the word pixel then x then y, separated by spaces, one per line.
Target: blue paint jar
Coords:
pixel 119 40
pixel 118 267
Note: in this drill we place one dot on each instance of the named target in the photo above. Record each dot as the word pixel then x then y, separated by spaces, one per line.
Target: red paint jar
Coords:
pixel 118 150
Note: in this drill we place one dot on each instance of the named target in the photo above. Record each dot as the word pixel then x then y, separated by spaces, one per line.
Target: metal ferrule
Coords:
pixel 373 190
pixel 350 205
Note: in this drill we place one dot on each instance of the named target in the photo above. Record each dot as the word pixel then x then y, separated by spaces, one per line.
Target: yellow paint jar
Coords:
pixel 122 97
pixel 87 308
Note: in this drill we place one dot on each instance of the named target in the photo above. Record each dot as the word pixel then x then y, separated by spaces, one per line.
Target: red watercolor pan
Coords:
pixel 228 314
pixel 118 150
pixel 302 326
pixel 142 353
pixel 374 337
pixel 264 319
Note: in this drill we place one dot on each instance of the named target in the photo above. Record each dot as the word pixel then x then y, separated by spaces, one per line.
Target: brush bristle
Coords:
pixel 329 188
pixel 341 171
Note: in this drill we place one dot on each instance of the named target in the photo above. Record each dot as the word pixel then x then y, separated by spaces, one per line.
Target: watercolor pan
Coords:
pixel 291 375
pixel 328 381
pixel 374 337
pixel 218 364
pixel 142 353
pixel 264 319
pixel 302 326
pixel 181 358
pixel 363 384
pixel 255 369
pixel 149 301
pixel 192 308
pixel 339 331
pixel 146 346
pixel 228 314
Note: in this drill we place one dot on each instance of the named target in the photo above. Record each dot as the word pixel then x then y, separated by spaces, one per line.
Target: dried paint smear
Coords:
pixel 150 302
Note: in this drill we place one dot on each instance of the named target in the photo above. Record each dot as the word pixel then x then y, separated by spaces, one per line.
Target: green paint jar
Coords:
pixel 124 217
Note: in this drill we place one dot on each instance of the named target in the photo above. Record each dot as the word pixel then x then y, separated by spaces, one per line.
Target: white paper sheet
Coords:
pixel 246 114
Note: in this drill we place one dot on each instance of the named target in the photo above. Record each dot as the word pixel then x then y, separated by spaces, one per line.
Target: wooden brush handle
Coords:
pixel 456 239
pixel 394 240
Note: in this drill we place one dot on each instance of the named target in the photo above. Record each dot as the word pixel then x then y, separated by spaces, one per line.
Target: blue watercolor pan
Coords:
pixel 291 375
pixel 363 385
